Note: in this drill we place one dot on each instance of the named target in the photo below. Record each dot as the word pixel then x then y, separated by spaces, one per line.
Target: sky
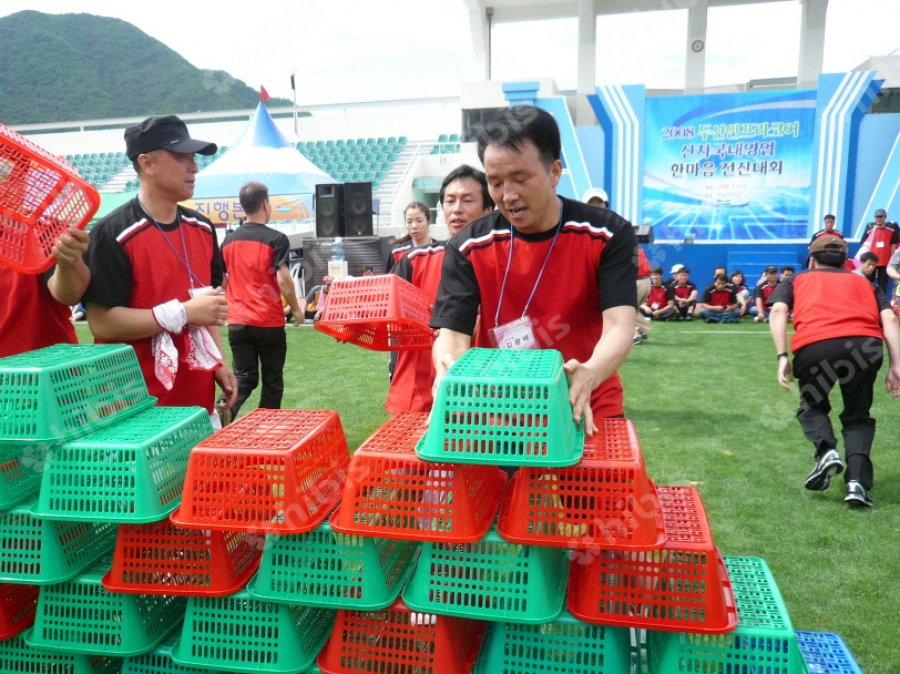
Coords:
pixel 356 50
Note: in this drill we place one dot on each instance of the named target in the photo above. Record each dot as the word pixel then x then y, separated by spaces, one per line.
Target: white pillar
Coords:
pixel 480 28
pixel 695 58
pixel 587 61
pixel 812 41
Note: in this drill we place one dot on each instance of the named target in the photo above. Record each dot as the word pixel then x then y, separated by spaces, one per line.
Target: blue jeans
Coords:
pixel 720 316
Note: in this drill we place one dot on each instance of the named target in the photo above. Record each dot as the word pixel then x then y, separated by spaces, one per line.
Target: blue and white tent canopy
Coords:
pixel 263 154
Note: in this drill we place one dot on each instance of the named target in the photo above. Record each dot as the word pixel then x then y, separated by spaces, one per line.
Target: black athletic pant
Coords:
pixel 853 364
pixel 252 347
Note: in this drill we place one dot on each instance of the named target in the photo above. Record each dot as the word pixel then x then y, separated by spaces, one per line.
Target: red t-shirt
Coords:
pixel 253 253
pixel 831 303
pixel 410 389
pixel 29 316
pixel 659 297
pixel 881 241
pixel 136 264
pixel 591 268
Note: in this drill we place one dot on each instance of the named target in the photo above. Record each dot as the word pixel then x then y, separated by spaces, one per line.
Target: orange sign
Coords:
pixel 227 211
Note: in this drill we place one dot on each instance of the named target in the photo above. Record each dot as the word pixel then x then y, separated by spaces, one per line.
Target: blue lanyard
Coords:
pixel 192 277
pixel 537 282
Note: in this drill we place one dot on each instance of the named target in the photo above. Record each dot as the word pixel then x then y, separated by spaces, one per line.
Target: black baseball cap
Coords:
pixel 880 213
pixel 166 132
pixel 771 269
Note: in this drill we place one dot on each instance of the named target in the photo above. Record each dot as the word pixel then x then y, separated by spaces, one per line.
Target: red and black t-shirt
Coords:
pixel 659 297
pixel 400 249
pixel 138 264
pixel 410 389
pixel 719 298
pixel 831 303
pixel 823 232
pixel 29 316
pixel 764 291
pixel 882 240
pixel 253 254
pixel 590 268
pixel 683 291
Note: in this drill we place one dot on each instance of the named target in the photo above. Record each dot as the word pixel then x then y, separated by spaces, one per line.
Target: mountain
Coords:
pixel 61 67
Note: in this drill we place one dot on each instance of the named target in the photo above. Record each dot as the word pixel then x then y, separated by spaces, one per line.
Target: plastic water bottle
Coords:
pixel 337 263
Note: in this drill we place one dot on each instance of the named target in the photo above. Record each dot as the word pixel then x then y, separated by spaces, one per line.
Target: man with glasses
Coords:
pixel 881 238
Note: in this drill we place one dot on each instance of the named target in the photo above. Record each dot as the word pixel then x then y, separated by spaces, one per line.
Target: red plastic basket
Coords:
pixel 392 493
pixel 161 558
pixel 41 196
pixel 683 587
pixel 605 501
pixel 274 471
pixel 397 640
pixel 381 313
pixel 18 605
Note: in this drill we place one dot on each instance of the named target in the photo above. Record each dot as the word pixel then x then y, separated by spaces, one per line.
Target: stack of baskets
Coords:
pixel 84 452
pixel 491 537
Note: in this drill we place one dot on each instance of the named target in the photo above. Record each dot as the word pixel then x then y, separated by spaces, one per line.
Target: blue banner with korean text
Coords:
pixel 729 167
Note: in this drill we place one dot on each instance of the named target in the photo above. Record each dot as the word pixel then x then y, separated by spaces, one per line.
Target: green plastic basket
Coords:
pixel 764 640
pixel 490 580
pixel 131 472
pixel 65 391
pixel 504 407
pixel 332 570
pixel 21 466
pixel 242 634
pixel 564 646
pixel 158 661
pixel 17 657
pixel 42 552
pixel 80 616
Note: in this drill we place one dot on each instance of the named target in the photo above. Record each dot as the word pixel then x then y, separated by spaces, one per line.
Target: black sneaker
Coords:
pixel 858 496
pixel 827 466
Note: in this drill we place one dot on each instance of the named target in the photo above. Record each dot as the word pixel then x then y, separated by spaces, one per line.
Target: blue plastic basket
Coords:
pixel 826 653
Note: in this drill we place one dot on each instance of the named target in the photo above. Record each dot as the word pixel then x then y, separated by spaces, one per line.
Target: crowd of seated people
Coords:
pixel 725 299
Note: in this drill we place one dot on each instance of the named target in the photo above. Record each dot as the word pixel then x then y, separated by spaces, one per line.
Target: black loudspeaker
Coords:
pixel 329 201
pixel 357 209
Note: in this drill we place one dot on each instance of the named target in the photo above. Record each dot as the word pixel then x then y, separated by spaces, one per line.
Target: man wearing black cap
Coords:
pixel 835 343
pixel 763 292
pixel 881 238
pixel 156 270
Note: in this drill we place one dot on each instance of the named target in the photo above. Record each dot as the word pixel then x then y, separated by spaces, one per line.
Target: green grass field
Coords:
pixel 709 413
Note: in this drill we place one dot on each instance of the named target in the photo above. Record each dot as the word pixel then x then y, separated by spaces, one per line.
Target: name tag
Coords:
pixel 879 244
pixel 517 334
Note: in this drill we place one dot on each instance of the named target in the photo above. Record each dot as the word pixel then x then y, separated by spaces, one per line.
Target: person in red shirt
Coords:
pixel 545 271
pixel 35 309
pixel 762 293
pixel 464 198
pixel 719 303
pixel 660 302
pixel 835 343
pixel 881 237
pixel 828 228
pixel 417 218
pixel 156 272
pixel 684 291
pixel 256 257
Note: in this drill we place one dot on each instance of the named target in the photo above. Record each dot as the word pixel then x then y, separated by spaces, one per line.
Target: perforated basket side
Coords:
pixel 130 471
pixel 161 558
pixel 490 580
pixel 241 634
pixel 397 639
pixel 65 391
pixel 279 471
pixel 158 661
pixel 764 638
pixel 41 196
pixel 43 552
pixel 81 616
pixel 826 653
pixel 325 568
pixel 564 646
pixel 17 657
pixel 21 466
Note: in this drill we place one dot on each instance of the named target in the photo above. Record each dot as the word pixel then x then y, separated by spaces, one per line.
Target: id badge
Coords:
pixel 516 334
pixel 879 244
pixel 205 290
